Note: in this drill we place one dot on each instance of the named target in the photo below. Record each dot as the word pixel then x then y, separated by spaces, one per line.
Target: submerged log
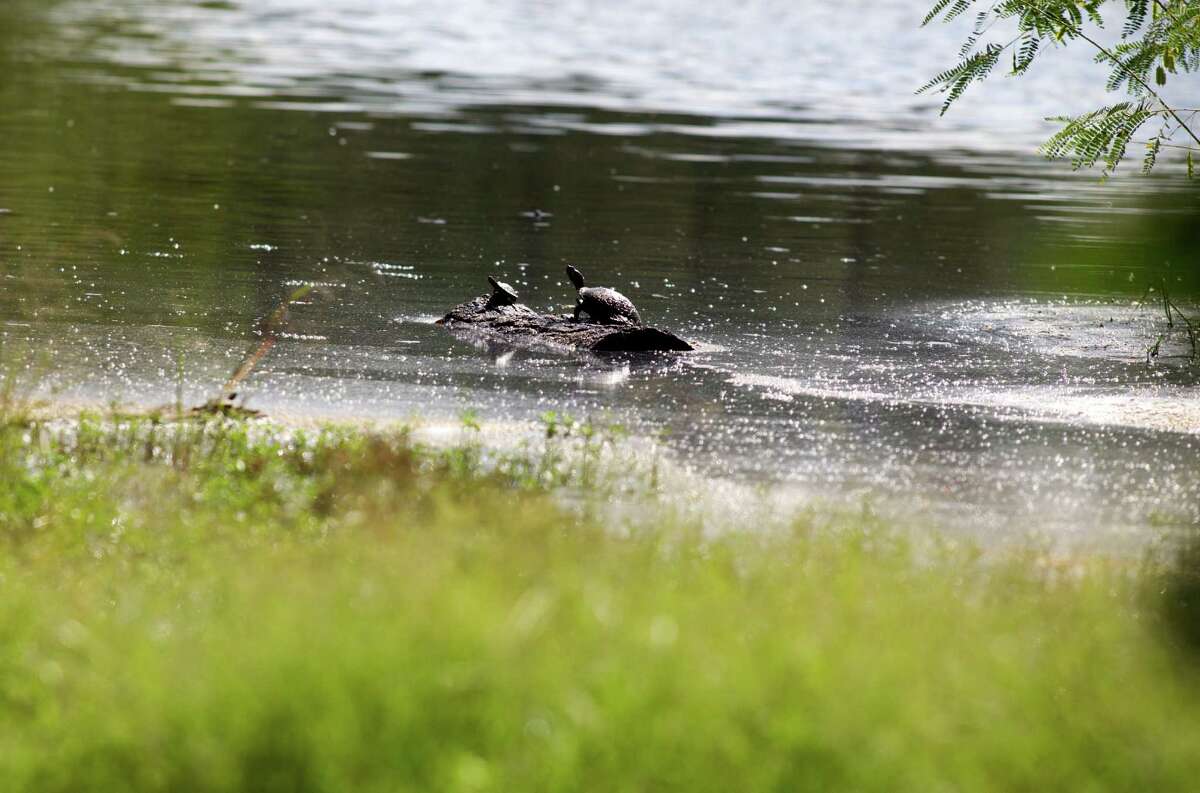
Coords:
pixel 519 322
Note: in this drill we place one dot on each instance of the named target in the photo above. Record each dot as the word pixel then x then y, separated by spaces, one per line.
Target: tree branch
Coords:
pixel 1117 62
pixel 1169 145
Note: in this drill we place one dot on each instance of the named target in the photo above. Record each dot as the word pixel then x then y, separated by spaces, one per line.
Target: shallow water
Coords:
pixel 891 309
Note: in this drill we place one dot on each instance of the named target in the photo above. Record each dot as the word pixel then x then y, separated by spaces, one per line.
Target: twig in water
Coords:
pixel 1166 301
pixel 269 329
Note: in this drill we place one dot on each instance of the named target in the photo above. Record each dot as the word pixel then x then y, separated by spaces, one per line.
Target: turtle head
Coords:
pixel 575 276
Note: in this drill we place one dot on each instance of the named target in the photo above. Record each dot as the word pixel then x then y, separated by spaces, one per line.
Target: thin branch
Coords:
pixel 1170 145
pixel 1166 10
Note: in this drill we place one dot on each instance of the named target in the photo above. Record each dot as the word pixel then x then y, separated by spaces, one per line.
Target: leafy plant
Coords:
pixel 1160 39
pixel 230 606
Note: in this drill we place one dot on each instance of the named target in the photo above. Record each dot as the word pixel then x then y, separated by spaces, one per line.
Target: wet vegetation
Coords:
pixel 229 606
pixel 195 598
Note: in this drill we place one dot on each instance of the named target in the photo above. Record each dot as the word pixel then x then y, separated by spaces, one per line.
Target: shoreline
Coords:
pixel 624 463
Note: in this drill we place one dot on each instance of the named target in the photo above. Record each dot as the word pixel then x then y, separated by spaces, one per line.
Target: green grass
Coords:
pixel 223 607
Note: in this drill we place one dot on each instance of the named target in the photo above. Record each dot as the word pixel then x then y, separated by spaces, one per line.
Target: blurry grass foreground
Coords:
pixel 222 606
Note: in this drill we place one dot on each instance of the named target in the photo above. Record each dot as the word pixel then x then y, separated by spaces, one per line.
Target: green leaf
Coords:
pixel 1136 18
pixel 1023 57
pixel 1101 135
pixel 1151 155
pixel 954 81
pixel 1191 167
pixel 958 8
pixel 1157 38
pixel 938 7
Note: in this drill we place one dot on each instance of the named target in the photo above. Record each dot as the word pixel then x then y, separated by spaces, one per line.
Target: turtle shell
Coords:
pixel 604 304
pixel 502 293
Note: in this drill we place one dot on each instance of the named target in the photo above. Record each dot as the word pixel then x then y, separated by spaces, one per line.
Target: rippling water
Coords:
pixel 893 309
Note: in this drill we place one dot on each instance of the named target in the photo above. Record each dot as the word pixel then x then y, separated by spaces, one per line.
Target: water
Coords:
pixel 892 310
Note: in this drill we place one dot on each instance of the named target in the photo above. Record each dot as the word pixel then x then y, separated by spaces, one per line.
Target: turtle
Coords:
pixel 601 303
pixel 502 294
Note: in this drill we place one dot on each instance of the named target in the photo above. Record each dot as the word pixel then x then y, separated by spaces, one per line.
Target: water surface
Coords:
pixel 893 310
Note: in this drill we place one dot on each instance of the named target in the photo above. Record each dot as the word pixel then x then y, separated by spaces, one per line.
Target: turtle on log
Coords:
pixel 502 294
pixel 505 320
pixel 603 304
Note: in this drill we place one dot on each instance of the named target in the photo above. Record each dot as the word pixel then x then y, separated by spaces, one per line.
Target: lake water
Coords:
pixel 912 313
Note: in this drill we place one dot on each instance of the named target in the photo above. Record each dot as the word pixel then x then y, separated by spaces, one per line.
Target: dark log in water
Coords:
pixel 521 323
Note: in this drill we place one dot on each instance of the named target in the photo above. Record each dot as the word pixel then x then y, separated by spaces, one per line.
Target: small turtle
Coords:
pixel 602 304
pixel 502 294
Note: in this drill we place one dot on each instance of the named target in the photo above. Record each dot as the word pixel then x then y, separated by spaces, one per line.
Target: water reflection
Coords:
pixel 837 72
pixel 877 315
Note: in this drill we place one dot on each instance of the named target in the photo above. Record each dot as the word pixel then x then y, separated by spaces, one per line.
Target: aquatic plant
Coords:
pixel 1176 320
